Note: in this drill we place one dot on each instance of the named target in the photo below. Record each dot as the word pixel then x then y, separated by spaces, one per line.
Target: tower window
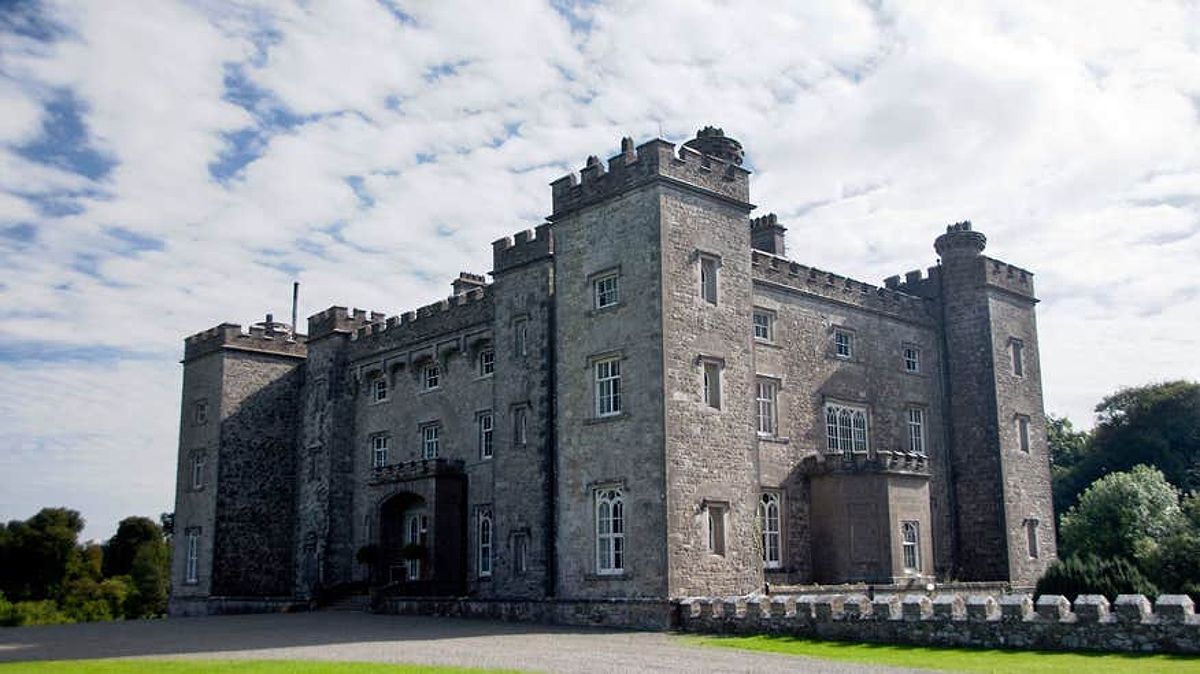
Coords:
pixel 764 325
pixel 709 267
pixel 608 387
pixel 843 344
pixel 712 384
pixel 1017 352
pixel 1031 537
pixel 716 528
pixel 198 470
pixel 379 451
pixel 485 543
pixel 765 403
pixel 432 376
pixel 606 291
pixel 487 363
pixel 768 513
pixel 916 430
pixel 520 425
pixel 912 358
pixel 379 389
pixel 910 542
pixel 610 531
pixel 486 432
pixel 1023 432
pixel 520 553
pixel 192 568
pixel 431 441
pixel 200 412
pixel 521 336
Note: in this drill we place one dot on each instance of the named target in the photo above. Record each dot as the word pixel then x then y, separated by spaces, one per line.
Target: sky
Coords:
pixel 167 166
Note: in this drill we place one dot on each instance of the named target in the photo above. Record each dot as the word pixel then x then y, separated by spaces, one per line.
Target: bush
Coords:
pixel 1074 576
pixel 44 612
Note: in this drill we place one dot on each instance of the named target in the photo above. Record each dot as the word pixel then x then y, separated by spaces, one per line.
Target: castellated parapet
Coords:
pixel 446 316
pixel 522 248
pixel 262 337
pixel 340 320
pixel 656 160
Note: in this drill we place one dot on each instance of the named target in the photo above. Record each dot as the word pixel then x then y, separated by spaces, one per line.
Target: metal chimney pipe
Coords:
pixel 295 302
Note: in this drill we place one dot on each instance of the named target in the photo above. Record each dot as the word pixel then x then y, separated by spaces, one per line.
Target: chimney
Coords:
pixel 467 282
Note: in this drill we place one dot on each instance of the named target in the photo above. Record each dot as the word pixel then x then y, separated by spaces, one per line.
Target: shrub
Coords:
pixel 44 612
pixel 1074 576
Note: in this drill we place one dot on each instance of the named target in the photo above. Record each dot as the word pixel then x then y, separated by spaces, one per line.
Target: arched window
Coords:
pixel 910 540
pixel 414 536
pixel 846 429
pixel 768 512
pixel 610 531
pixel 845 437
pixel 485 543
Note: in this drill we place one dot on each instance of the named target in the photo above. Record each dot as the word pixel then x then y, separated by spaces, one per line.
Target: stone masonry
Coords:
pixel 647 401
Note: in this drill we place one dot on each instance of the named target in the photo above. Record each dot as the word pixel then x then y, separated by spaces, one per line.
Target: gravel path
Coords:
pixel 386 638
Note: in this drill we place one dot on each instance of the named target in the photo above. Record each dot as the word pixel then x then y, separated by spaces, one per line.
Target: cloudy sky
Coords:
pixel 166 166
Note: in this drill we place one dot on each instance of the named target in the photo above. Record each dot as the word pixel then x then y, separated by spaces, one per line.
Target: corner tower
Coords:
pixel 1004 515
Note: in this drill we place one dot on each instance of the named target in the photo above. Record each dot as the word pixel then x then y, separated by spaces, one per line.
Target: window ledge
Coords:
pixel 596 311
pixel 429 390
pixel 777 439
pixel 594 577
pixel 770 345
pixel 605 419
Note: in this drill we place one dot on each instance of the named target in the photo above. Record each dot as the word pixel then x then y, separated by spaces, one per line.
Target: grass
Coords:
pixel 960 659
pixel 222 667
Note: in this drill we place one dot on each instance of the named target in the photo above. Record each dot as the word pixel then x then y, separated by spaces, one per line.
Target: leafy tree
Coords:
pixel 1157 425
pixel 39 553
pixel 149 578
pixel 131 534
pixel 1067 445
pixel 1122 515
pixel 1074 576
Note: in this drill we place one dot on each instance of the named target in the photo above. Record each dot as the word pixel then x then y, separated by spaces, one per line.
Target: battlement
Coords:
pixel 442 317
pixel 895 461
pixel 266 337
pixel 651 161
pixel 1131 623
pixel 766 234
pixel 1008 277
pixel 340 319
pixel 813 281
pixel 921 284
pixel 522 248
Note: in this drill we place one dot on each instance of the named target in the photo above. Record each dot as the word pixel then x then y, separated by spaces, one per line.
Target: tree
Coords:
pixel 1123 515
pixel 149 576
pixel 131 534
pixel 1157 425
pixel 39 553
pixel 1074 576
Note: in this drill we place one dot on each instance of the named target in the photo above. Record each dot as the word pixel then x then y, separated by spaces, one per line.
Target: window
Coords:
pixel 846 428
pixel 910 543
pixel 416 533
pixel 912 358
pixel 520 425
pixel 606 291
pixel 521 336
pixel 716 528
pixel 192 570
pixel 197 470
pixel 520 553
pixel 485 543
pixel 712 384
pixel 487 363
pixel 432 376
pixel 708 278
pixel 486 431
pixel 379 451
pixel 379 389
pixel 764 326
pixel 1031 537
pixel 843 344
pixel 608 387
pixel 768 513
pixel 916 430
pixel 1017 350
pixel 200 413
pixel 610 531
pixel 431 441
pixel 765 402
pixel 1023 432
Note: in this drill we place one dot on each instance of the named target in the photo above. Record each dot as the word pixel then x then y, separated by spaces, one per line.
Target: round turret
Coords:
pixel 960 240
pixel 714 143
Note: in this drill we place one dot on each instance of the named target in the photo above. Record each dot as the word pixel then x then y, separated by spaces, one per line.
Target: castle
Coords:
pixel 648 401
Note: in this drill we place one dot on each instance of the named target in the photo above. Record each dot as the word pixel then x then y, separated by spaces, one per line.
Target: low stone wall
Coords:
pixel 647 614
pixel 201 606
pixel 1131 623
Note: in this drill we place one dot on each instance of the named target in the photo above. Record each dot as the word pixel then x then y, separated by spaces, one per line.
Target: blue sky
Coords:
pixel 169 167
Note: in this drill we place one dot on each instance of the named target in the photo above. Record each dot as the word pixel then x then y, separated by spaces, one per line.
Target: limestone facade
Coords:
pixel 647 401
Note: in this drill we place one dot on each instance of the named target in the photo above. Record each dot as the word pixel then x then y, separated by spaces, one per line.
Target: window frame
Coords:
pixel 486 423
pixel 912 365
pixel 521 337
pixel 910 547
pixel 191 565
pixel 1016 349
pixel 716 513
pixel 599 293
pixel 845 440
pixel 838 342
pixel 380 448
pixel 485 540
pixel 710 277
pixel 487 362
pixel 772 537
pixel 431 376
pixel 916 424
pixel 606 387
pixel 1032 544
pixel 772 404
pixel 610 558
pixel 521 425
pixel 431 436
pixel 379 389
pixel 710 382
pixel 1023 427
pixel 768 328
pixel 198 465
pixel 520 553
pixel 200 412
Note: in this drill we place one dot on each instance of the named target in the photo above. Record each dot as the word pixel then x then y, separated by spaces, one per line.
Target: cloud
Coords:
pixel 166 169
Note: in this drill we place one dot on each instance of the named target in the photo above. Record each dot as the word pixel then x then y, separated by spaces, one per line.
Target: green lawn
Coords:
pixel 222 667
pixel 960 659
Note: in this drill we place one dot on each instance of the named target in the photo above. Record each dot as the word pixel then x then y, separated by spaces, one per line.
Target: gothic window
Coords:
pixel 520 553
pixel 487 363
pixel 606 291
pixel 379 451
pixel 610 531
pixel 520 425
pixel 192 567
pixel 846 428
pixel 766 392
pixel 608 387
pixel 772 538
pixel 916 430
pixel 485 543
pixel 200 412
pixel 431 439
pixel 486 431
pixel 521 336
pixel 910 542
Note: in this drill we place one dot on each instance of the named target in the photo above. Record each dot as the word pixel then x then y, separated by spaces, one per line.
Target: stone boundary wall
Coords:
pixel 1131 623
pixel 187 607
pixel 646 614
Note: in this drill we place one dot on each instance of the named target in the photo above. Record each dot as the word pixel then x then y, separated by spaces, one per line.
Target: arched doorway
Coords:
pixel 404 536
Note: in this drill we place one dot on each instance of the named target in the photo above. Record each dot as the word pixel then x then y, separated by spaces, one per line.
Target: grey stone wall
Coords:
pixel 1132 623
pixel 195 508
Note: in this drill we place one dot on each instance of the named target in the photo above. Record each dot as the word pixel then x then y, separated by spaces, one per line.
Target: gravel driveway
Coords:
pixel 387 638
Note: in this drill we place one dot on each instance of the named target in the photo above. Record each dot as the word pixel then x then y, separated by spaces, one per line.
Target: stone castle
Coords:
pixel 648 401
